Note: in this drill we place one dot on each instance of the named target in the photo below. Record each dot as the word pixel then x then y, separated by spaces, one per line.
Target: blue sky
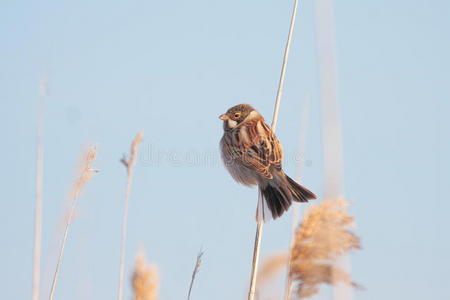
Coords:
pixel 170 68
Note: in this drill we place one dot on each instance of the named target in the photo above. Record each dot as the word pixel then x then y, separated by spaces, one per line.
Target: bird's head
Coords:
pixel 238 114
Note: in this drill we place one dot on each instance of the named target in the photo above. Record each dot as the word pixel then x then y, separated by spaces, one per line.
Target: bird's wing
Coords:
pixel 261 148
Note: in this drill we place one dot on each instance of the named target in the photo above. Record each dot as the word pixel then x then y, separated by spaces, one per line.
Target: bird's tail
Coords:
pixel 299 193
pixel 276 198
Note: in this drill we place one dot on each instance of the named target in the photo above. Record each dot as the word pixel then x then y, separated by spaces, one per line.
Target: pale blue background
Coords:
pixel 170 68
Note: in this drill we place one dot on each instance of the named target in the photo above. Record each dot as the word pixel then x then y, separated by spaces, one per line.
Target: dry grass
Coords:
pixel 129 165
pixel 145 280
pixel 194 273
pixel 323 236
pixel 84 173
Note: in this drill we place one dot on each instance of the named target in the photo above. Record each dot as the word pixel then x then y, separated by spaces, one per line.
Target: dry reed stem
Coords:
pixel 85 172
pixel 194 273
pixel 251 292
pixel 145 280
pixel 256 248
pixel 296 205
pixel 38 200
pixel 129 165
pixel 323 236
pixel 331 121
pixel 328 78
pixel 283 68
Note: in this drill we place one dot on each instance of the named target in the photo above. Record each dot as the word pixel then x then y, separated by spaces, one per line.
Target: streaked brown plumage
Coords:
pixel 253 156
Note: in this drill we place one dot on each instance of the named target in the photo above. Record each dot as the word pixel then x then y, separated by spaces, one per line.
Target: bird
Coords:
pixel 253 155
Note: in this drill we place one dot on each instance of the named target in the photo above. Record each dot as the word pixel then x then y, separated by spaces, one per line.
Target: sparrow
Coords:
pixel 252 155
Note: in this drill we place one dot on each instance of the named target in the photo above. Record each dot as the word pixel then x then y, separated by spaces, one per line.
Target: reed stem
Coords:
pixel 61 251
pixel 251 293
pixel 129 165
pixel 86 172
pixel 296 205
pixel 38 201
pixel 194 273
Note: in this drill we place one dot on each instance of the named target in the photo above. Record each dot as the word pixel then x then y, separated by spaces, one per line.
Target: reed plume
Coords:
pixel 129 165
pixel 194 273
pixel 323 236
pixel 84 173
pixel 145 280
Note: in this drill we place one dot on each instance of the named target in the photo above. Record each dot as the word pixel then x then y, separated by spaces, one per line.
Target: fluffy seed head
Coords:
pixel 323 236
pixel 145 280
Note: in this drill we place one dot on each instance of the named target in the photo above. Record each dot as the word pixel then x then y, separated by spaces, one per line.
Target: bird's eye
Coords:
pixel 236 115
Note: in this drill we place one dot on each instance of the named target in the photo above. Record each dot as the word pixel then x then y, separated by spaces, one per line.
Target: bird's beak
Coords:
pixel 223 117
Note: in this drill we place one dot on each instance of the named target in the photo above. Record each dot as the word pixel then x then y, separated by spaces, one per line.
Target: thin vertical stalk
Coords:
pixel 328 83
pixel 129 165
pixel 296 208
pixel 251 293
pixel 38 201
pixel 194 273
pixel 256 249
pixel 124 234
pixel 66 231
pixel 283 68
pixel 332 133
pixel 85 174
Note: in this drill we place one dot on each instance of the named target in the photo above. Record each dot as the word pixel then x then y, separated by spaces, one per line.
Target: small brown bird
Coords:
pixel 253 155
